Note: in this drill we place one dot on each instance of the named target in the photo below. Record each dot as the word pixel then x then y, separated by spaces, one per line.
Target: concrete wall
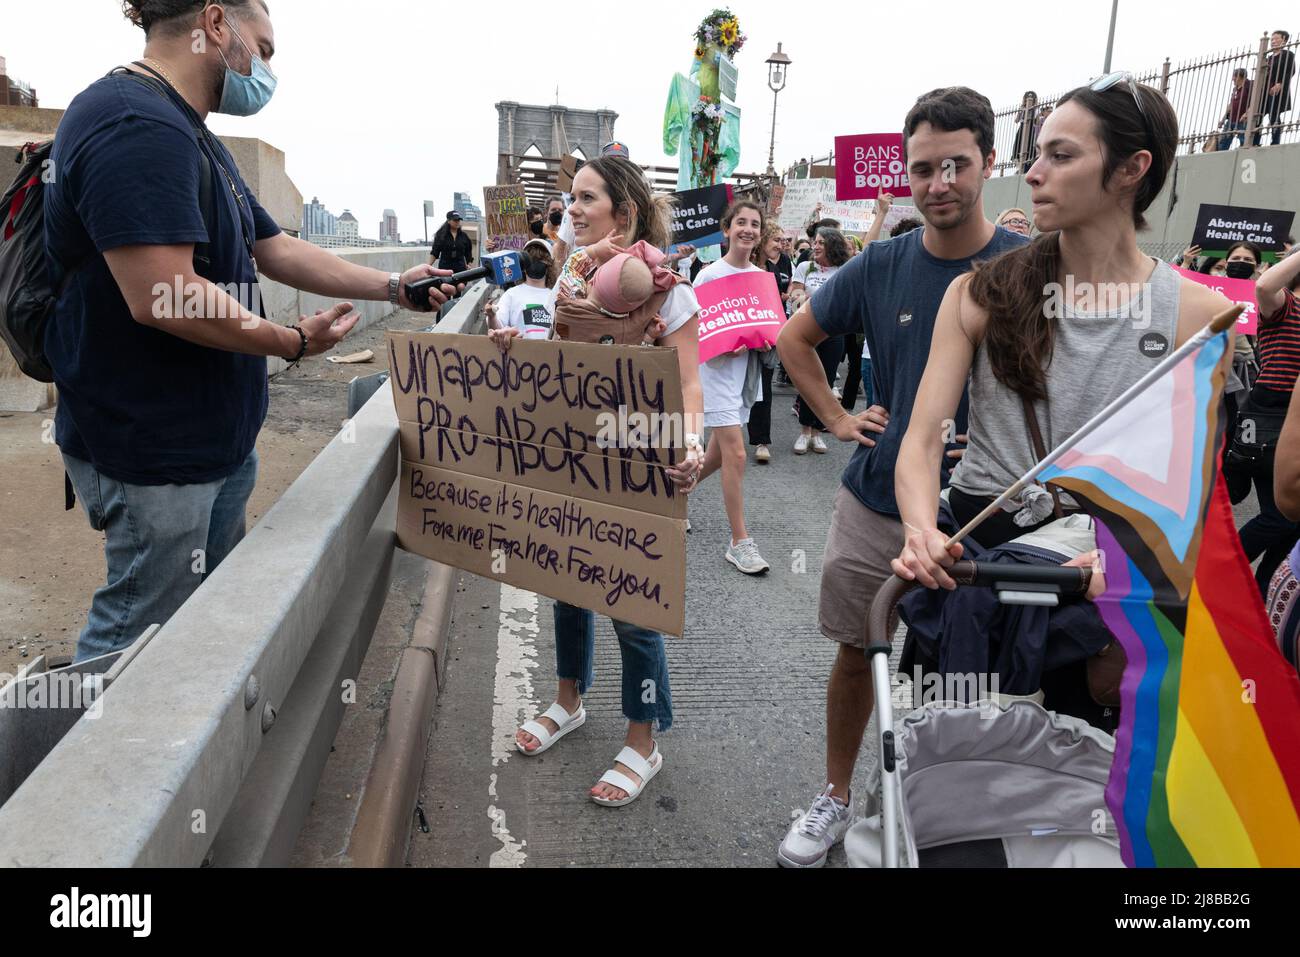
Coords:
pixel 1263 177
pixel 261 164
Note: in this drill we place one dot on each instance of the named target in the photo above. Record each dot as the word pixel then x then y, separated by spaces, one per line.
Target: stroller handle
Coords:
pixel 1004 576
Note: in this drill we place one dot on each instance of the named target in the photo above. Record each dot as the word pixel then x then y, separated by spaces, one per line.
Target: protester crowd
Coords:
pixel 964 378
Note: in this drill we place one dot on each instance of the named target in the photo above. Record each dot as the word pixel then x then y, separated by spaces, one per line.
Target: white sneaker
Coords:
pixel 818 444
pixel 744 555
pixel 837 393
pixel 801 444
pixel 762 454
pixel 815 832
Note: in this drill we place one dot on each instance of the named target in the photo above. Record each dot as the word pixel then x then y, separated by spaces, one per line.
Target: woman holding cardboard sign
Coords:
pixel 614 208
pixel 732 383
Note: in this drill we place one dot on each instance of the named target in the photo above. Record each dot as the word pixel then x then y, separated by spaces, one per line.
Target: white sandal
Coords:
pixel 566 722
pixel 645 768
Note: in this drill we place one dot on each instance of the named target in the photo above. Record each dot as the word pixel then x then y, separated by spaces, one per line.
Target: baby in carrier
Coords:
pixel 612 295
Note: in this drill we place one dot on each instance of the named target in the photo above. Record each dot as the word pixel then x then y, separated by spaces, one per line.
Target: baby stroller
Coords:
pixel 984 784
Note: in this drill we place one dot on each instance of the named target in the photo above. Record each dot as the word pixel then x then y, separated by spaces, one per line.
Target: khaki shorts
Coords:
pixel 859 547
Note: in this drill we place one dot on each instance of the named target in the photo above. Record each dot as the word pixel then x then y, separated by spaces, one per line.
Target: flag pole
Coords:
pixel 1218 324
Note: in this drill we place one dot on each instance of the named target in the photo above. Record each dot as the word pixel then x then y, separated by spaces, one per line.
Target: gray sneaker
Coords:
pixel 744 555
pixel 815 832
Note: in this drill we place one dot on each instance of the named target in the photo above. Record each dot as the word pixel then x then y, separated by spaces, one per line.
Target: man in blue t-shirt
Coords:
pixel 891 292
pixel 158 342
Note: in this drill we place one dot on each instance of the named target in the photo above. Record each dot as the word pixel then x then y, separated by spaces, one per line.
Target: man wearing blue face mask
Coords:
pixel 158 341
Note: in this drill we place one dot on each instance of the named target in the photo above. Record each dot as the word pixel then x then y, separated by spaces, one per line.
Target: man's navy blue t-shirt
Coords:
pixel 143 406
pixel 891 292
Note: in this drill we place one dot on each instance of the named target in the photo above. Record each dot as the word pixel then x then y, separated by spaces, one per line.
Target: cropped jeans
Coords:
pixel 646 695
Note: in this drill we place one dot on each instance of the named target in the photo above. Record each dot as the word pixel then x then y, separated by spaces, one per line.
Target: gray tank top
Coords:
pixel 1097 355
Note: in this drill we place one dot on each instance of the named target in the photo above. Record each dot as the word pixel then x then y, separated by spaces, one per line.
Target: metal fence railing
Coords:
pixel 1199 90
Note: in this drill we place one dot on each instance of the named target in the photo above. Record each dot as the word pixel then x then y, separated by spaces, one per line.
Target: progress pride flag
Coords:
pixel 740 310
pixel 1238 290
pixel 868 165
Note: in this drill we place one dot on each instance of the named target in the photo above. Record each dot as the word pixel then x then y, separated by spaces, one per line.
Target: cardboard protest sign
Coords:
pixel 804 196
pixel 1238 290
pixel 546 468
pixel 569 166
pixel 774 201
pixel 506 211
pixel 740 310
pixel 800 199
pixel 697 216
pixel 858 215
pixel 870 164
pixel 1218 227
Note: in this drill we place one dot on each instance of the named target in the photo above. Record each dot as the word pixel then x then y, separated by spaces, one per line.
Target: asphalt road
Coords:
pixel 745 754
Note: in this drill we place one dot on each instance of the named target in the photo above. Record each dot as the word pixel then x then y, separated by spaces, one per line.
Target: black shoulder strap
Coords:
pixel 207 198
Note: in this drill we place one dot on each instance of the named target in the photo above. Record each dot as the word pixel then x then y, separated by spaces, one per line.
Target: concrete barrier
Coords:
pixel 209 746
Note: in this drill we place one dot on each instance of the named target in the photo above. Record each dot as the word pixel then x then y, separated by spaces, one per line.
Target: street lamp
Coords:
pixel 777 66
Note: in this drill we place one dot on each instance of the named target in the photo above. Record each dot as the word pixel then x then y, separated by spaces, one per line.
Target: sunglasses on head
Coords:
pixel 1110 79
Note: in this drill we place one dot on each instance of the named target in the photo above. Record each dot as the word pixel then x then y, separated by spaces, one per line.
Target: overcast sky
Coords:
pixel 385 103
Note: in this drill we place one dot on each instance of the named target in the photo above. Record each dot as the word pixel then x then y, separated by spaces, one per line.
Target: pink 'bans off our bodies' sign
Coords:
pixel 740 310
pixel 870 164
pixel 1238 290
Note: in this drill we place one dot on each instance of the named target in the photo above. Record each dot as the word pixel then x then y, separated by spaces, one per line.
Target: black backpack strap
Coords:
pixel 207 198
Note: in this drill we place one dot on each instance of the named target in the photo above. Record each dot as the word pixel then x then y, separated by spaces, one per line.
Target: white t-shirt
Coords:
pixel 678 308
pixel 812 276
pixel 722 378
pixel 721 270
pixel 526 308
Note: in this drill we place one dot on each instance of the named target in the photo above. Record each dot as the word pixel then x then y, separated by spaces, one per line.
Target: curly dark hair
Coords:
pixel 837 247
pixel 169 15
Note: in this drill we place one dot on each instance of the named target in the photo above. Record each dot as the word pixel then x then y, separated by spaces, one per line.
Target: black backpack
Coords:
pixel 27 291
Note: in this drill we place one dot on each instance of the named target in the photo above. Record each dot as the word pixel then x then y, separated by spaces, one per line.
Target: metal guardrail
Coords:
pixel 209 747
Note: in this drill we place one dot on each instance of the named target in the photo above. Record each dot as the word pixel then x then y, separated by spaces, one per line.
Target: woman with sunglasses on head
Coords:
pixel 614 208
pixel 1037 363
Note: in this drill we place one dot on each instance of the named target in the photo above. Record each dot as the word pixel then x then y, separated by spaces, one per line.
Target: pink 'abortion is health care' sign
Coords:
pixel 740 310
pixel 1240 291
pixel 870 164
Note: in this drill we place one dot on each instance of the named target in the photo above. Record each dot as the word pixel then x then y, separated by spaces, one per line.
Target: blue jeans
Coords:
pixel 161 541
pixel 866 381
pixel 1232 131
pixel 646 695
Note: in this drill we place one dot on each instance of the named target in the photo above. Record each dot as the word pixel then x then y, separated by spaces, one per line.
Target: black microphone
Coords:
pixel 505 268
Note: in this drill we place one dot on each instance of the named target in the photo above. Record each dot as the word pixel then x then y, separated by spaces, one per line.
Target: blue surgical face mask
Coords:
pixel 245 95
